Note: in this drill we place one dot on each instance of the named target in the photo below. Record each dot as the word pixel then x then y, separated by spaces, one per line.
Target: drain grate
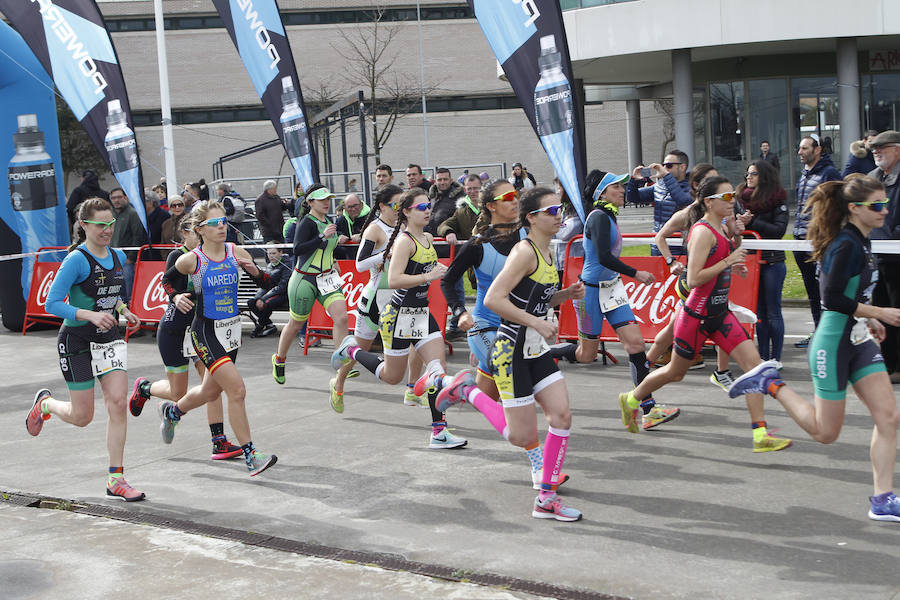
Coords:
pixel 387 561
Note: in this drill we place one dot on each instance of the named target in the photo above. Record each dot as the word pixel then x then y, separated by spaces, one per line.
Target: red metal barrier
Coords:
pixel 652 304
pixel 42 274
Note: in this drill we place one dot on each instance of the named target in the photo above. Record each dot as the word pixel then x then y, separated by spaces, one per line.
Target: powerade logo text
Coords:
pixel 564 94
pixel 128 143
pixel 66 34
pixel 32 175
pixel 260 33
pixel 298 127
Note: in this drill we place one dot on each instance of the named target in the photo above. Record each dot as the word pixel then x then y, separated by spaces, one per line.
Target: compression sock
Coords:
pixel 536 457
pixel 647 405
pixel 173 412
pixel 491 409
pixel 436 415
pixel 369 360
pixel 438 426
pixel 555 446
pixel 640 368
pixel 566 351
pixel 115 473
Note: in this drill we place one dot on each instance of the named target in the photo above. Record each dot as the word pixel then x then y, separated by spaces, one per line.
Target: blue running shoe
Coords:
pixel 886 510
pixel 456 392
pixel 756 380
pixel 553 508
pixel 259 462
pixel 166 425
pixel 340 356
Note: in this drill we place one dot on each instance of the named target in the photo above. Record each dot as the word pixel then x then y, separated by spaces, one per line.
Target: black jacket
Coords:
pixel 89 188
pixel 771 226
pixel 443 205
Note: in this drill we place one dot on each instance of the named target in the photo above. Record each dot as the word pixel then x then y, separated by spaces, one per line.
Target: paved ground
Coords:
pixel 686 511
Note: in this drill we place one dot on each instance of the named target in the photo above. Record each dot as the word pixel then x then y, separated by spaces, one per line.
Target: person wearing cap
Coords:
pixel 604 292
pixel 315 277
pixel 89 188
pixel 886 149
pixel 518 178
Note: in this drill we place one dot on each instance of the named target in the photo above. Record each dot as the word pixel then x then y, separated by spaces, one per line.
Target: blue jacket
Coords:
pixel 891 228
pixel 822 171
pixel 860 161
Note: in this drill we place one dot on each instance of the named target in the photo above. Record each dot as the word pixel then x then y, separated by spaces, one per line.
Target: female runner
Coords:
pixel 315 275
pixel 173 339
pixel 216 329
pixel 406 321
pixel 842 349
pixel 89 342
pixel 522 294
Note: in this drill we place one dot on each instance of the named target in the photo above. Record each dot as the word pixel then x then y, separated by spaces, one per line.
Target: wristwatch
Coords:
pixel 670 260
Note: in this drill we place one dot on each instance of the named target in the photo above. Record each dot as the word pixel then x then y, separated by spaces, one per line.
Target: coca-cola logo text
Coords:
pixel 660 295
pixel 44 289
pixel 155 297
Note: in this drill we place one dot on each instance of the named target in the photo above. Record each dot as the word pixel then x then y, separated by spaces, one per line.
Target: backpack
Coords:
pixel 237 205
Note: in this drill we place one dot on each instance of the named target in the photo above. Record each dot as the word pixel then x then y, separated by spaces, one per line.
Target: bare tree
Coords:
pixel 370 59
pixel 77 150
pixel 666 107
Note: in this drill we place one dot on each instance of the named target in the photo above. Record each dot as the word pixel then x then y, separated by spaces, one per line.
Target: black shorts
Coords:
pixel 517 378
pixel 208 347
pixel 75 354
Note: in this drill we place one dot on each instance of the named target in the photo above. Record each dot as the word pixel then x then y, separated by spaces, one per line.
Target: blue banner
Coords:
pixel 70 40
pixel 529 40
pixel 257 31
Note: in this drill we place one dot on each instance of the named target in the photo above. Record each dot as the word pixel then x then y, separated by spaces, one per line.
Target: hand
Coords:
pixel 248 265
pixel 451 238
pixel 437 272
pixel 745 217
pixel 876 329
pixel 658 170
pixel 356 237
pixel 342 239
pixel 260 304
pixel 636 174
pixel 576 290
pixel 740 269
pixel 183 303
pixel 676 268
pixel 102 320
pixel 330 230
pixel 133 322
pixel 738 256
pixel 545 328
pixel 466 322
pixel 645 277
pixel 891 316
pixel 739 227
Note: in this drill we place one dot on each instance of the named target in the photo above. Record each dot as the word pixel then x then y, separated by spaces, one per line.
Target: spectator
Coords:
pixel 529 176
pixel 270 213
pixel 383 176
pixel 571 226
pixel 170 232
pixel 350 225
pixel 156 217
pixel 817 168
pixel 518 179
pixel 414 178
pixel 127 232
pixel 203 194
pixel 861 159
pixel 886 149
pixel 766 213
pixel 266 301
pixel 191 196
pixel 352 186
pixel 88 188
pixel 669 194
pixel 443 195
pixel 235 209
pixel 769 157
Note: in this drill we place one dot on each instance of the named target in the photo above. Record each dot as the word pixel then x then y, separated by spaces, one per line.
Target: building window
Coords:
pixel 815 106
pixel 881 101
pixel 726 116
pixel 767 119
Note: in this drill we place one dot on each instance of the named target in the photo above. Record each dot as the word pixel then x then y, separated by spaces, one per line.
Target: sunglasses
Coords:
pixel 874 205
pixel 726 196
pixel 176 204
pixel 670 165
pixel 552 210
pixel 103 224
pixel 214 222
pixel 423 206
pixel 509 196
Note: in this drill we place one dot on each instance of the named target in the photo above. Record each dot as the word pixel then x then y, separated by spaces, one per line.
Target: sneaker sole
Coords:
pixel 448 446
pixel 227 455
pixel 697 366
pixel 774 448
pixel 275 375
pixel 272 460
pixel 136 401
pixel 40 395
pixel 891 518
pixel 408 402
pixel 537 514
pixel 143 496
pixel 159 412
pixel 421 385
pixel 749 375
pixel 630 423
pixel 671 417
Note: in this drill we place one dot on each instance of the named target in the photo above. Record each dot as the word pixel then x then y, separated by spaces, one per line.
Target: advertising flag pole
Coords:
pixel 165 103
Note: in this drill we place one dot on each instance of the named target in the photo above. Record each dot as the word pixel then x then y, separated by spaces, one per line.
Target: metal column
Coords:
pixel 682 91
pixel 848 93
pixel 633 133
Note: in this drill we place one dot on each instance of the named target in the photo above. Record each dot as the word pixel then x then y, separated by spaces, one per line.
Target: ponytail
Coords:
pixel 829 207
pixel 382 196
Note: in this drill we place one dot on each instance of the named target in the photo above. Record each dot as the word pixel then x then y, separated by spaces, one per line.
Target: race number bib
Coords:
pixel 228 332
pixel 612 295
pixel 108 357
pixel 860 332
pixel 328 282
pixel 535 344
pixel 187 346
pixel 412 323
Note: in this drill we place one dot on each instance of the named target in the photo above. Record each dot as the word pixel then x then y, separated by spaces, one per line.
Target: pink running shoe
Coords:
pixel 224 450
pixel 423 383
pixel 553 508
pixel 457 391
pixel 137 399
pixel 121 489
pixel 34 422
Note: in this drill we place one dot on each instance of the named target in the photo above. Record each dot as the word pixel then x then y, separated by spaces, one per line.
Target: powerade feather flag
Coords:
pixel 257 31
pixel 529 41
pixel 70 40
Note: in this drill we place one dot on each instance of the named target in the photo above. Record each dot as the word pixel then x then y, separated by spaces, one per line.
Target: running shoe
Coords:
pixel 658 415
pixel 259 462
pixel 277 370
pixel 770 443
pixel 456 392
pixel 722 379
pixel 268 330
pixel 664 359
pixel 121 489
pixel 887 510
pixel 352 373
pixel 425 383
pixel 756 380
pixel 446 440
pixel 337 398
pixel 410 399
pixel 34 422
pixel 553 508
pixel 778 365
pixel 698 363
pixel 137 399
pixel 629 415
pixel 537 478
pixel 340 356
pixel 166 425
pixel 804 343
pixel 224 450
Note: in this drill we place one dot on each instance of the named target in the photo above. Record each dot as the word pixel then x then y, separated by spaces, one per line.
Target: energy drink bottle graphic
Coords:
pixel 554 115
pixel 121 148
pixel 293 126
pixel 32 191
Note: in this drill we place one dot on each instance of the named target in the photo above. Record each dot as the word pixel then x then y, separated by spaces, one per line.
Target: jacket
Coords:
pixel 89 188
pixel 891 228
pixel 279 274
pixel 443 204
pixel 128 231
pixel 860 160
pixel 771 225
pixel 269 215
pixel 772 159
pixel 822 171
pixel 463 220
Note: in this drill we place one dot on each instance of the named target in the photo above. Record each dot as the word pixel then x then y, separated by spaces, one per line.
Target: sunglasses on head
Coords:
pixel 104 224
pixel 670 165
pixel 552 210
pixel 726 196
pixel 509 196
pixel 874 205
pixel 215 222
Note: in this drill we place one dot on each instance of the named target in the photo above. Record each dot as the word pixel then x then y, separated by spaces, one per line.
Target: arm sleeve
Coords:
pixel 449 225
pixel 366 257
pixel 285 276
pixel 843 263
pixel 343 228
pixel 570 228
pixel 306 238
pixel 468 256
pixel 679 195
pixel 600 232
pixel 74 269
pixel 632 192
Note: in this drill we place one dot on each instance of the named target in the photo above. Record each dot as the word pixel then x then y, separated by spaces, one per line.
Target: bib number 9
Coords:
pixel 228 332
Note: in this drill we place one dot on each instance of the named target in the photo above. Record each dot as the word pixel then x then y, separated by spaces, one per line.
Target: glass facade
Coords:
pixel 726 128
pixel 881 101
pixel 767 121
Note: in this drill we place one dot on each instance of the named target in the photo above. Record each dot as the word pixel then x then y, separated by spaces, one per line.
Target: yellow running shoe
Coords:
pixel 769 443
pixel 659 414
pixel 630 415
pixel 337 398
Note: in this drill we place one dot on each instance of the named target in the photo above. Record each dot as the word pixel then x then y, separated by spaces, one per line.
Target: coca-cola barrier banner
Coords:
pixel 70 40
pixel 529 40
pixel 257 31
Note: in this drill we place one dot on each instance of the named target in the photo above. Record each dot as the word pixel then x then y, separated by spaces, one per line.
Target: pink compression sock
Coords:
pixel 555 446
pixel 491 410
